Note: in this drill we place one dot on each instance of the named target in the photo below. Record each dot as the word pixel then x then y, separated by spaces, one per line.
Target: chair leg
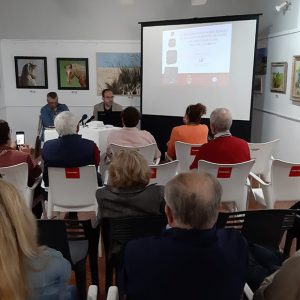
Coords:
pixel 288 244
pixel 80 275
pixel 108 274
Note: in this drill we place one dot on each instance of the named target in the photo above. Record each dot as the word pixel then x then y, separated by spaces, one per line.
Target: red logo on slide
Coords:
pixel 224 172
pixel 72 173
pixel 295 171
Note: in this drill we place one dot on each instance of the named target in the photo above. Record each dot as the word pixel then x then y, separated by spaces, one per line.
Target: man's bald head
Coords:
pixel 194 199
pixel 220 120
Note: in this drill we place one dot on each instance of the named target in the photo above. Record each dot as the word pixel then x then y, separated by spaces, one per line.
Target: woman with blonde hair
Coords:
pixel 28 271
pixel 128 192
pixel 192 132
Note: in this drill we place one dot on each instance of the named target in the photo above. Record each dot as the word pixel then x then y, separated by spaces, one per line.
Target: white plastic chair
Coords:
pixel 161 174
pixel 262 153
pixel 17 175
pixel 113 293
pixel 284 185
pixel 185 154
pixel 147 151
pixel 233 179
pixel 248 292
pixel 92 292
pixel 72 189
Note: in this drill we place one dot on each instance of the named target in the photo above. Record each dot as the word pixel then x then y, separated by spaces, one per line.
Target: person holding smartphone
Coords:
pixel 9 155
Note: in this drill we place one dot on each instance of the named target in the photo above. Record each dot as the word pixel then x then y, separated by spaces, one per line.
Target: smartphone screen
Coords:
pixel 20 135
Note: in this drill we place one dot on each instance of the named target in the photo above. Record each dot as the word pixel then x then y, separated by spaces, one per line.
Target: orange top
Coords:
pixel 193 134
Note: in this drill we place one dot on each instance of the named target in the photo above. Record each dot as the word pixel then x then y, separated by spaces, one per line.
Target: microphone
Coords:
pixel 82 119
pixel 90 119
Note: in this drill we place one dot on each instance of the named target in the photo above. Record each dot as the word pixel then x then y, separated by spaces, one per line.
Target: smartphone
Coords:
pixel 20 135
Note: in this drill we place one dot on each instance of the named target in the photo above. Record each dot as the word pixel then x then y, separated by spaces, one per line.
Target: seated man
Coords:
pixel 10 156
pixel 224 148
pixel 284 283
pixel 192 259
pixel 70 149
pixel 130 135
pixel 51 110
pixel 107 105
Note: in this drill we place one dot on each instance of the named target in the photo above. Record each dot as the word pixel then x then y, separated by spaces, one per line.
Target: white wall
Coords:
pixel 276 115
pixel 22 106
pixel 99 19
pixel 272 21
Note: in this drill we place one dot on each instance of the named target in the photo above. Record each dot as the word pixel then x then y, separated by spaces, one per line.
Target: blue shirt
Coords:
pixel 48 115
pixel 48 275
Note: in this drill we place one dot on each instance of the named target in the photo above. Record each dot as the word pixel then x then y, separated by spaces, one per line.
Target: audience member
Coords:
pixel 128 192
pixel 283 284
pixel 10 156
pixel 130 135
pixel 28 271
pixel 69 150
pixel 224 148
pixel 192 259
pixel 193 132
pixel 51 110
pixel 107 105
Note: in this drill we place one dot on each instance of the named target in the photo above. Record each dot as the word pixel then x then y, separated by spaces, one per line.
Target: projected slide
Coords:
pixel 211 63
pixel 197 50
pixel 196 55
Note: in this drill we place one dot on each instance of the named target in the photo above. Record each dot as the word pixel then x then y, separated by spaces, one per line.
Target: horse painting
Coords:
pixel 28 75
pixel 78 71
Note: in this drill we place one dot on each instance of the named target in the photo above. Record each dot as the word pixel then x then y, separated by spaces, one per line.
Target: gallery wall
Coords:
pixel 21 107
pixel 276 115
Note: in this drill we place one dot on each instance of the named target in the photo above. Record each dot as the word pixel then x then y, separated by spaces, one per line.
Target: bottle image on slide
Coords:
pixel 171 57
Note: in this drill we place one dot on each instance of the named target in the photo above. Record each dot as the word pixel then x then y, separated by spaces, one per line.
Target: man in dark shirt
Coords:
pixel 192 259
pixel 108 108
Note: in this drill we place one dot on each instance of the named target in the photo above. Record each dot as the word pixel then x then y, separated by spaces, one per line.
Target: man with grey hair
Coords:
pixel 69 150
pixel 224 148
pixel 192 259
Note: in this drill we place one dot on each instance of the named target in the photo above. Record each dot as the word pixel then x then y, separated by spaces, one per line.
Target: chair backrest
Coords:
pixel 17 175
pixel 72 189
pixel 262 153
pixel 161 174
pixel 113 293
pixel 58 233
pixel 265 227
pixel 116 232
pixel 147 151
pixel 233 179
pixel 185 153
pixel 285 180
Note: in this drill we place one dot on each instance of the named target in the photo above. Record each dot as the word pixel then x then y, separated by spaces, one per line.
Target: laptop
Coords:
pixel 110 118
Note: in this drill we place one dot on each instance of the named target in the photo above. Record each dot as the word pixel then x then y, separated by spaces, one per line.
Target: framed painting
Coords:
pixel 72 73
pixel 257 87
pixel 278 77
pixel 31 72
pixel 295 88
pixel 120 72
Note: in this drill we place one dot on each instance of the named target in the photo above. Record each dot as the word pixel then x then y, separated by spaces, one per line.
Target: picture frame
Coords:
pixel 258 84
pixel 295 85
pixel 72 73
pixel 278 77
pixel 31 72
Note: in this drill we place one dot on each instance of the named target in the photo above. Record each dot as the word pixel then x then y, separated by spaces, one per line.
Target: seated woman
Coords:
pixel 192 132
pixel 128 192
pixel 29 271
